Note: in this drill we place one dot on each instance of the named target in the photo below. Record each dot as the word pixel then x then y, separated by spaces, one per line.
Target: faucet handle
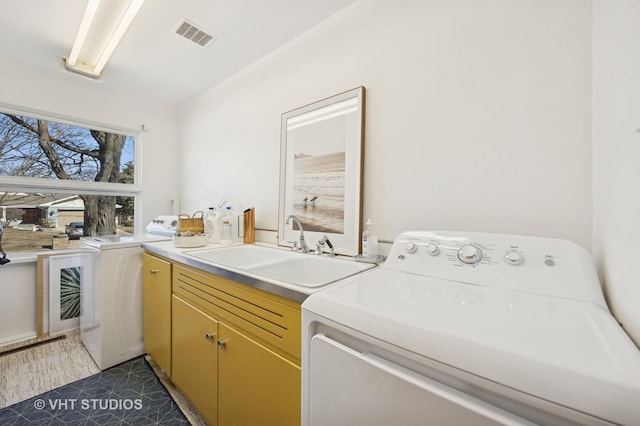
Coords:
pixel 294 245
pixel 322 242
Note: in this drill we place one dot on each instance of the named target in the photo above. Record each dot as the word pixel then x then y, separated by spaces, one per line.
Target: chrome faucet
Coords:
pixel 303 244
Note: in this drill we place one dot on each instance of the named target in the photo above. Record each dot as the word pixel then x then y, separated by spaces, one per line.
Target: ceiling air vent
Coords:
pixel 191 32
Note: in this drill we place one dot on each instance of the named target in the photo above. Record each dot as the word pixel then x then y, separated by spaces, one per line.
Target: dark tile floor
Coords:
pixel 127 394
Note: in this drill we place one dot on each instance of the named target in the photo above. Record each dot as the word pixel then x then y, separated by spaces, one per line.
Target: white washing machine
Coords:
pixel 111 304
pixel 469 329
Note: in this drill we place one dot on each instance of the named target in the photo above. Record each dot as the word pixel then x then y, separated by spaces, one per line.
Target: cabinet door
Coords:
pixel 195 357
pixel 256 385
pixel 156 310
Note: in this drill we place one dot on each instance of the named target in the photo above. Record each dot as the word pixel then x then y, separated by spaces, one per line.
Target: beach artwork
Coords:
pixel 319 175
pixel 321 171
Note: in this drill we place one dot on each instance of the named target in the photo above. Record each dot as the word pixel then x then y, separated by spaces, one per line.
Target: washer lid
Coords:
pixel 105 242
pixel 569 352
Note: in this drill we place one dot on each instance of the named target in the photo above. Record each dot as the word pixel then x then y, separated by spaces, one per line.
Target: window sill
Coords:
pixel 32 256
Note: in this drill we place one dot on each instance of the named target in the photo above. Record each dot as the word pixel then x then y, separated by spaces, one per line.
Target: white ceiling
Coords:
pixel 152 61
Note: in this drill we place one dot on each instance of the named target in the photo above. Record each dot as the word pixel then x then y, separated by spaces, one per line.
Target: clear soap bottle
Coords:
pixel 225 233
pixel 369 241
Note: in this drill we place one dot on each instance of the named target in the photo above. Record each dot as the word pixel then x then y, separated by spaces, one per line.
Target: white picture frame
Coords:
pixel 67 275
pixel 321 170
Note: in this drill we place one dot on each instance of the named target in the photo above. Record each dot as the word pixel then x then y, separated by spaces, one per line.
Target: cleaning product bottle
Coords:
pixel 210 224
pixel 225 233
pixel 369 241
pixel 226 230
pixel 221 216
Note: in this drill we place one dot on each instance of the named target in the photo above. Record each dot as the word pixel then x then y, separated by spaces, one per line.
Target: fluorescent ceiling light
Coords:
pixel 131 13
pixel 87 19
pixel 99 34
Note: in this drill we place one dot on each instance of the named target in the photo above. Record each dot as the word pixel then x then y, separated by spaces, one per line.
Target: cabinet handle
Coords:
pixel 154 271
pixel 209 336
pixel 221 344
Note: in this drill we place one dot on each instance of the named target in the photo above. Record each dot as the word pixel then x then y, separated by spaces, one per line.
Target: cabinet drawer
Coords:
pixel 269 318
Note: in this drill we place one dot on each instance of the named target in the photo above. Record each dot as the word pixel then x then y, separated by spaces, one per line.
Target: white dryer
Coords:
pixel 469 329
pixel 111 303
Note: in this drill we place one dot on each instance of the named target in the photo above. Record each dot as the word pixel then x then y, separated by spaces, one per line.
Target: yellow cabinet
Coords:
pixel 231 349
pixel 195 357
pixel 256 386
pixel 156 310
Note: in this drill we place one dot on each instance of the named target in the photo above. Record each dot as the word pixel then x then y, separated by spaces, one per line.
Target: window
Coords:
pixel 55 173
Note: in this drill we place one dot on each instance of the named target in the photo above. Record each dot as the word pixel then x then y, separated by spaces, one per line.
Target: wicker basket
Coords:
pixel 192 224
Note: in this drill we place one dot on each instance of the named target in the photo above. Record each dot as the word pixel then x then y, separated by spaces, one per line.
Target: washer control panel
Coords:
pixel 461 250
pixel 537 265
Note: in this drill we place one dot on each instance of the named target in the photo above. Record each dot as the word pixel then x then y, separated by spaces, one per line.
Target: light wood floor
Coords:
pixel 30 372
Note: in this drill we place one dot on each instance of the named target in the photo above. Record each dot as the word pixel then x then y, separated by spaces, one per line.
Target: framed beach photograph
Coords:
pixel 67 275
pixel 321 165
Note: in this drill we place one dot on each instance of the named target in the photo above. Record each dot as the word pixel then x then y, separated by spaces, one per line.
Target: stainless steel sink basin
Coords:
pixel 305 270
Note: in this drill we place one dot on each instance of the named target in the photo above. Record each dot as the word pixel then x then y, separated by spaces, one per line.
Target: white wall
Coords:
pixel 478 116
pixel 616 156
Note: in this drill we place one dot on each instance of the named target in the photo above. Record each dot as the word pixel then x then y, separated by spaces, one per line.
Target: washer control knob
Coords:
pixel 513 257
pixel 410 247
pixel 432 249
pixel 470 254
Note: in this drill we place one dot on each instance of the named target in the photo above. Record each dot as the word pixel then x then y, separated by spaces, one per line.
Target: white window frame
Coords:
pixel 62 186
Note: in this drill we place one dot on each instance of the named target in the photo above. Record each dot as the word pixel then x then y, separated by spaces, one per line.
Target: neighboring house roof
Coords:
pixel 20 200
pixel 69 203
